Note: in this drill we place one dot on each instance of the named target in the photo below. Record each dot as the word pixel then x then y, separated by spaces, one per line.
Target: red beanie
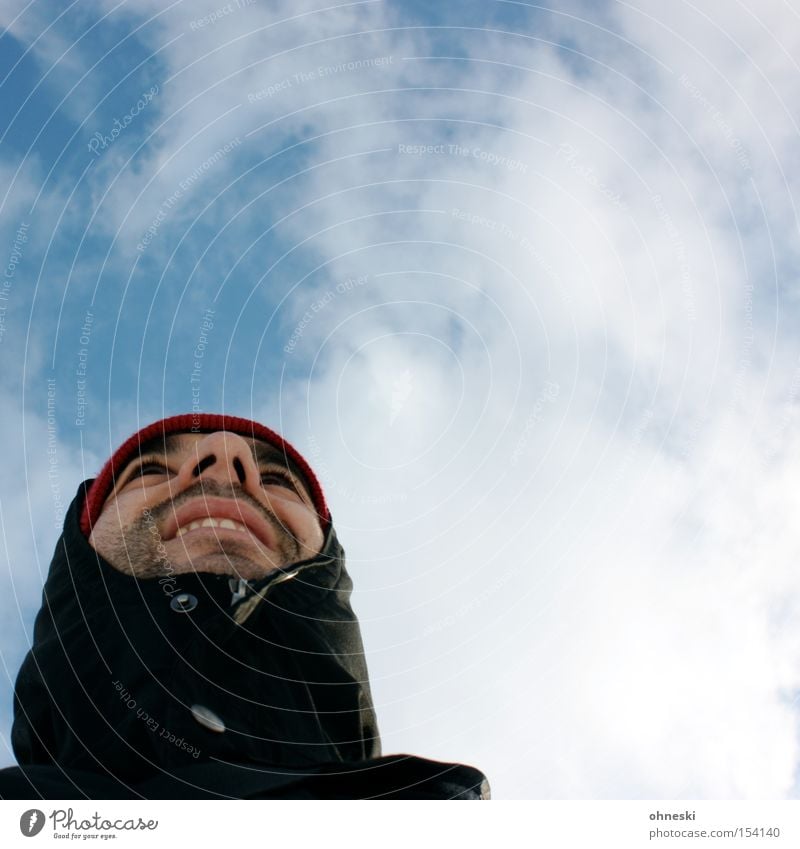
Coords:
pixel 192 423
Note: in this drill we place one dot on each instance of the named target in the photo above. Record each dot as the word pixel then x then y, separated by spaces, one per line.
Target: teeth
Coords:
pixel 211 522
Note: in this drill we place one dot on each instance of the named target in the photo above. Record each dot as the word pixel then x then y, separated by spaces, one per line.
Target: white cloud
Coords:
pixel 605 623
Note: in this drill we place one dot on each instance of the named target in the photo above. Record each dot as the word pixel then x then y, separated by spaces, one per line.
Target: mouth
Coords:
pixel 211 522
pixel 219 514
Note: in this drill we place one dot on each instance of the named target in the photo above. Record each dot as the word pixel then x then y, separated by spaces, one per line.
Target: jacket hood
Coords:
pixel 132 677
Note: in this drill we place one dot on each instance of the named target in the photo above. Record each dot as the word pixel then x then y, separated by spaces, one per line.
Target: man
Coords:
pixel 196 638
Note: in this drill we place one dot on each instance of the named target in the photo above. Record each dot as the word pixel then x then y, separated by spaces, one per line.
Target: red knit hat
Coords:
pixel 192 423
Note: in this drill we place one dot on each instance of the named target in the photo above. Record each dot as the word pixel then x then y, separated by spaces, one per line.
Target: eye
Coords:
pixel 148 467
pixel 275 477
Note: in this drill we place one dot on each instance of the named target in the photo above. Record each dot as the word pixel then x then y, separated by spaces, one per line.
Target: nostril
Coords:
pixel 203 465
pixel 240 473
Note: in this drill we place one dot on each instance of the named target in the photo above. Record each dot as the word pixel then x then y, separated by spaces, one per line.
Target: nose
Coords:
pixel 225 457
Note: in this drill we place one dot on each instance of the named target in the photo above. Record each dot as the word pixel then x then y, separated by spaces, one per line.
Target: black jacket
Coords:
pixel 182 689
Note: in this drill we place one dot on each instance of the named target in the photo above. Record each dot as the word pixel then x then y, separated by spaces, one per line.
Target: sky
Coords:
pixel 519 280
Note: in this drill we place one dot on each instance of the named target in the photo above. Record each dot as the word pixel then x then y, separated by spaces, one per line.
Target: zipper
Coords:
pixel 241 588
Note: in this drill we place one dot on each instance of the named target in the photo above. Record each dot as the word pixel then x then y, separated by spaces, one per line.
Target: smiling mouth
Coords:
pixel 212 522
pixel 226 517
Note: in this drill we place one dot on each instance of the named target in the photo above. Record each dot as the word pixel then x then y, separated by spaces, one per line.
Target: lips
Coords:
pixel 219 514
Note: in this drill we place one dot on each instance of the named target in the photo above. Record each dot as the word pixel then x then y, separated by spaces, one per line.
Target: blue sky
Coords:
pixel 521 282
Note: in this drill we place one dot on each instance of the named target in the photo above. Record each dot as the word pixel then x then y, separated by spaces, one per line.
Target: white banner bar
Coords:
pixel 413 825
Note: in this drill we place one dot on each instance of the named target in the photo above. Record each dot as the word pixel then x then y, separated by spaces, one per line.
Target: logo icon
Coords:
pixel 31 822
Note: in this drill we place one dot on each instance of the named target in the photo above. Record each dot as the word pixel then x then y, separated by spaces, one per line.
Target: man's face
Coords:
pixel 216 502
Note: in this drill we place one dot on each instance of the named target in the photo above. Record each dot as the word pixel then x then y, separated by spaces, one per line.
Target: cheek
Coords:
pixel 315 535
pixel 106 532
pixel 116 516
pixel 108 523
pixel 302 523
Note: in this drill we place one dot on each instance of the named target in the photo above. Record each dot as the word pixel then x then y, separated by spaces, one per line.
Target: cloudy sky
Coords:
pixel 522 284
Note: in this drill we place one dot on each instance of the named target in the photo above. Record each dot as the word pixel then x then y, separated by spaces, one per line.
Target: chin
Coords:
pixel 228 557
pixel 227 564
